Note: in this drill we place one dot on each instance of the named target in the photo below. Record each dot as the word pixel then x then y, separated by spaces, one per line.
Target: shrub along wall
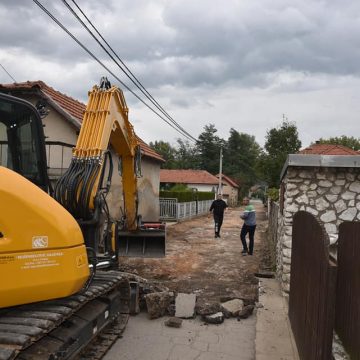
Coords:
pixel 186 196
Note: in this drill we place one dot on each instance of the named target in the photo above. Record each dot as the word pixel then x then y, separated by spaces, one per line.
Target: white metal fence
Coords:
pixel 171 209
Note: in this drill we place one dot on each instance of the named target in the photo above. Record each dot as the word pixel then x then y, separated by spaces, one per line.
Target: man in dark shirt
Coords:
pixel 217 208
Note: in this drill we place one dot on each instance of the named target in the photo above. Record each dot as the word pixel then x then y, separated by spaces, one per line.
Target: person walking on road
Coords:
pixel 218 207
pixel 249 226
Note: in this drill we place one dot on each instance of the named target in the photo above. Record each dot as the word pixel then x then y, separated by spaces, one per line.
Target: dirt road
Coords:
pixel 196 262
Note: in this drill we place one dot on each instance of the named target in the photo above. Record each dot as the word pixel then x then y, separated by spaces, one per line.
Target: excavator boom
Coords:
pixel 105 123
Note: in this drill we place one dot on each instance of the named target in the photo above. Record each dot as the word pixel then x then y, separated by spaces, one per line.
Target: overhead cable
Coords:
pixel 43 8
pixel 7 73
pixel 123 67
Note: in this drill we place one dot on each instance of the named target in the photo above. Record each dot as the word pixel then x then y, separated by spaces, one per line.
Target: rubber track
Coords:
pixel 24 325
pixel 97 349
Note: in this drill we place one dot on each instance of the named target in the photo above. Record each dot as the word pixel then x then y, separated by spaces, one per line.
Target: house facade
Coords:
pixel 323 180
pixel 201 180
pixel 230 190
pixel 61 128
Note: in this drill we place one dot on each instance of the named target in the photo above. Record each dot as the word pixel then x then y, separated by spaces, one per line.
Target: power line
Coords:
pixel 43 8
pixel 7 72
pixel 126 71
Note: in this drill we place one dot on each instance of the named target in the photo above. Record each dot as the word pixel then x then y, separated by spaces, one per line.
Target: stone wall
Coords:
pixel 330 194
pixel 273 220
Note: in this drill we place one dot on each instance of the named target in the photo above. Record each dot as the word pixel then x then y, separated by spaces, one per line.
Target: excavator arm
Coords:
pixel 81 190
pixel 105 122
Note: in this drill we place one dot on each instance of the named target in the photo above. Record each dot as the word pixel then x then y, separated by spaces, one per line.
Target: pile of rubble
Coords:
pixel 184 306
pixel 159 301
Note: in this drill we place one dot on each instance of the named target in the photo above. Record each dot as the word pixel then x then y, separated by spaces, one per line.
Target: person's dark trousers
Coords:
pixel 218 219
pixel 244 231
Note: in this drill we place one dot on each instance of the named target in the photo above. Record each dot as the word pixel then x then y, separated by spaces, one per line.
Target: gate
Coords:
pixel 168 208
pixel 348 288
pixel 312 288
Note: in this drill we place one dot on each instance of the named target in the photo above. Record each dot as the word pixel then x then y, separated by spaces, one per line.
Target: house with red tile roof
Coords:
pixel 61 127
pixel 328 149
pixel 230 189
pixel 196 179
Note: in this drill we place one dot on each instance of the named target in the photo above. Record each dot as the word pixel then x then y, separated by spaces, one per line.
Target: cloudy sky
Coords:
pixel 239 64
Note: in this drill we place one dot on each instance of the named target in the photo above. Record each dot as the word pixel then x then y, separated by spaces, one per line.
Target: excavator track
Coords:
pixel 103 342
pixel 62 328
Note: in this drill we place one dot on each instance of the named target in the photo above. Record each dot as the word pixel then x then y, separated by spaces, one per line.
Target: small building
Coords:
pixel 201 180
pixel 323 180
pixel 230 190
pixel 62 126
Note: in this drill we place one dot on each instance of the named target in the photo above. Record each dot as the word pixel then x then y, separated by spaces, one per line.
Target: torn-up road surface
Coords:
pixel 197 262
pixel 214 270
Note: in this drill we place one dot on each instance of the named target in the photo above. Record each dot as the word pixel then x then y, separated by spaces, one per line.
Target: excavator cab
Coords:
pixel 22 147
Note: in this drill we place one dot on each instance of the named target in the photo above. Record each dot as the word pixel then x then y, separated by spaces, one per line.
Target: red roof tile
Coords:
pixel 73 107
pixel 328 149
pixel 148 151
pixel 228 180
pixel 187 177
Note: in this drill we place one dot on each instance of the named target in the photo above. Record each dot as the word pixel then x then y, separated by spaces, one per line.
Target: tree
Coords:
pixel 167 152
pixel 208 149
pixel 240 157
pixel 186 156
pixel 348 141
pixel 280 142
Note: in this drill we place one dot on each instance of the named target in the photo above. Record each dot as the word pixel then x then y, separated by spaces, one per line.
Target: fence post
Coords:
pixel 348 288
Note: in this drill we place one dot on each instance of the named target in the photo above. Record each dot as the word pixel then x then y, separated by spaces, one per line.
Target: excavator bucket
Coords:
pixel 148 241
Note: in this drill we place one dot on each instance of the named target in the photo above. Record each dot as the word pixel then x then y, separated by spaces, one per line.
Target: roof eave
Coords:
pixel 144 154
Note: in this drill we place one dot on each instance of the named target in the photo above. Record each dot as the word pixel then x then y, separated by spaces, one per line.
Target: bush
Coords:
pixel 273 194
pixel 186 196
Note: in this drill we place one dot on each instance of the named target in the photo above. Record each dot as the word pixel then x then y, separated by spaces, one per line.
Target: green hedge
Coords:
pixel 186 196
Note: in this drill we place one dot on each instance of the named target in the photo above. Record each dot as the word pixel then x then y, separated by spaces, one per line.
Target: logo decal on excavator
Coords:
pixel 81 260
pixel 40 242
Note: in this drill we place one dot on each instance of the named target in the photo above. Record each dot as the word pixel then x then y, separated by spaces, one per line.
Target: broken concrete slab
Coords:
pixel 158 303
pixel 204 307
pixel 146 288
pixel 217 318
pixel 246 312
pixel 185 305
pixel 173 322
pixel 232 307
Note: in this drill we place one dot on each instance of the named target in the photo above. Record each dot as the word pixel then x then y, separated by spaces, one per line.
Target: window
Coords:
pixel 21 137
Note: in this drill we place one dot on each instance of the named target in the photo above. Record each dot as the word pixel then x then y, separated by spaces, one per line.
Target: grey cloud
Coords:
pixel 197 43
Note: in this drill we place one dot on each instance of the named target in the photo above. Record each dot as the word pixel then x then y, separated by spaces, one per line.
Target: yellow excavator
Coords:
pixel 54 295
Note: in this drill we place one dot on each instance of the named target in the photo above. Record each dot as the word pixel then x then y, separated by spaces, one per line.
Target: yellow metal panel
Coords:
pixel 31 219
pixel 42 252
pixel 41 275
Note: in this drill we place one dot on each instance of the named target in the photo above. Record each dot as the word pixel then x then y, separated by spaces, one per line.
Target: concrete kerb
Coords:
pixel 274 337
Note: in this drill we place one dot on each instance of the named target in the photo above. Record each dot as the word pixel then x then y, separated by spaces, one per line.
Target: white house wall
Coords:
pixel 56 128
pixel 231 193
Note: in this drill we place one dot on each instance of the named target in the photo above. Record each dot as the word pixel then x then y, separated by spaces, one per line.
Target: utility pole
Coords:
pixel 220 190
